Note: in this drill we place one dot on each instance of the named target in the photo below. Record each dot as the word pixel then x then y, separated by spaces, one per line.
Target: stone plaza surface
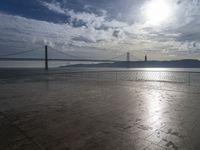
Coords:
pixel 79 114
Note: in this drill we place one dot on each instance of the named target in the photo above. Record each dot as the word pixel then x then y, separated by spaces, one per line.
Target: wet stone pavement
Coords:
pixel 69 114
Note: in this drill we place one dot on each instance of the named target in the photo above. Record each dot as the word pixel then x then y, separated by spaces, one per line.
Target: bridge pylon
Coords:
pixel 46 58
pixel 127 56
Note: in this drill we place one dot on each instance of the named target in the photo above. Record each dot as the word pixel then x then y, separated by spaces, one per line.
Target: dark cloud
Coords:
pixel 118 34
pixel 179 2
pixel 83 39
pixel 194 44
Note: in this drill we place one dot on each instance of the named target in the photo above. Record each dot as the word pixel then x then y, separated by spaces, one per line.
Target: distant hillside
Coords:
pixel 149 64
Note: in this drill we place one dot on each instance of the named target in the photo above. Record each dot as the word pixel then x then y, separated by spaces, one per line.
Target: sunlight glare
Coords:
pixel 156 12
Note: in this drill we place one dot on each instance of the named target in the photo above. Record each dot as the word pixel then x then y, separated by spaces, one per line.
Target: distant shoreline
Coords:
pixel 144 64
pixel 117 65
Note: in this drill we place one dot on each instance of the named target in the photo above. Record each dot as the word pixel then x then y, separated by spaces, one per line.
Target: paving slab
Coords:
pixel 81 114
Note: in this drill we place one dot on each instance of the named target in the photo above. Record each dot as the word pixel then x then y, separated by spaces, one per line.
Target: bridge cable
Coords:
pixel 22 52
pixel 115 57
pixel 135 57
pixel 69 55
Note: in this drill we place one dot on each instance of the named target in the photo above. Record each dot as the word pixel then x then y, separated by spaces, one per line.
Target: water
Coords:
pixel 54 64
pixel 190 76
pixel 134 69
pixel 180 75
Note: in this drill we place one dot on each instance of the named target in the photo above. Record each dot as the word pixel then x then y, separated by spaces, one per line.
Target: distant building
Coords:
pixel 145 58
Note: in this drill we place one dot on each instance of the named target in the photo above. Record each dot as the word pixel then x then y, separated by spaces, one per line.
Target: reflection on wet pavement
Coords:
pixel 98 115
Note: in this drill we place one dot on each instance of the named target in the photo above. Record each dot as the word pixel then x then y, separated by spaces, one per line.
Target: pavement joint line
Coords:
pixel 20 130
pixel 156 144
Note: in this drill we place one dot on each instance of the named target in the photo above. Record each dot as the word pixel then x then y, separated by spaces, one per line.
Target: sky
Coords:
pixel 162 29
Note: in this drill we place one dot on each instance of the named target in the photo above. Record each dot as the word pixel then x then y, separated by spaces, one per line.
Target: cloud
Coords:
pixel 90 19
pixel 18 31
pixel 53 7
pixel 88 31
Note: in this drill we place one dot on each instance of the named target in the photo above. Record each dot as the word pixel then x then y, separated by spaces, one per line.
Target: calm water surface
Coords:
pixel 183 75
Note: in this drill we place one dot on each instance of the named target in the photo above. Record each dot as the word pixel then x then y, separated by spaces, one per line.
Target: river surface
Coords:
pixel 55 64
pixel 181 75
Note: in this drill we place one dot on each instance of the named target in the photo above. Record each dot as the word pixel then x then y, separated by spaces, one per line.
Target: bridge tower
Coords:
pixel 46 57
pixel 145 58
pixel 127 56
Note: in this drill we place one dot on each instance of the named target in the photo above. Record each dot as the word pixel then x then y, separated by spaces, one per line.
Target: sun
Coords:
pixel 156 12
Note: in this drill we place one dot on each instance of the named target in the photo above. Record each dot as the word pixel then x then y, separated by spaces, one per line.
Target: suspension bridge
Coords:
pixel 65 56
